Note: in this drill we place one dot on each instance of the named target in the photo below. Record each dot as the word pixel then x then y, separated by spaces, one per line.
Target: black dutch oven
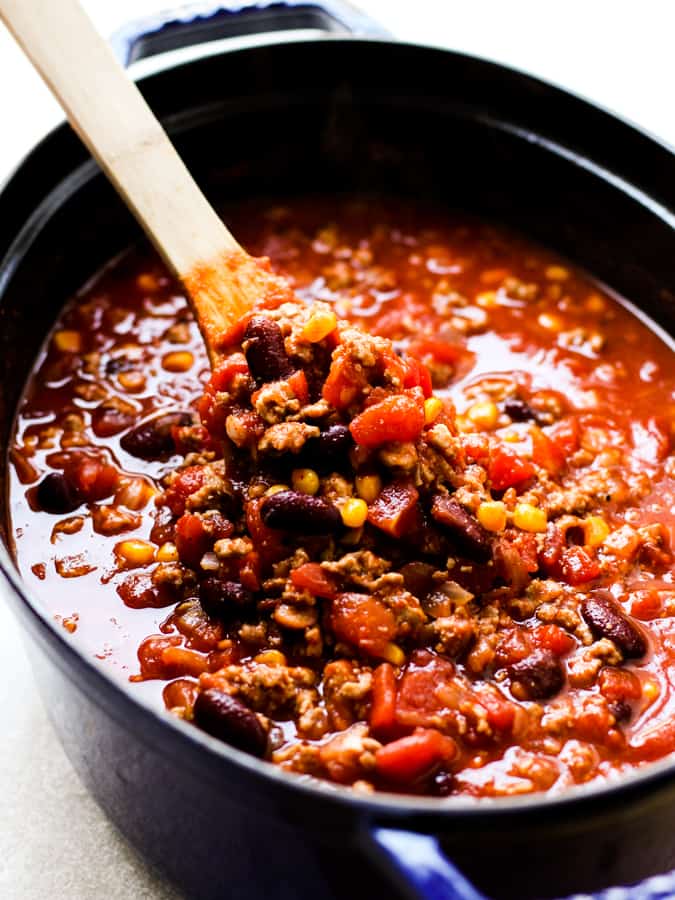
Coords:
pixel 337 113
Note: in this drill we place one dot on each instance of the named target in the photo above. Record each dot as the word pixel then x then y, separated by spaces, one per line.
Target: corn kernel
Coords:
pixel 178 361
pixel 306 481
pixel 131 381
pixel 393 654
pixel 135 552
pixel 167 553
pixel 271 658
pixel 650 689
pixel 276 489
pixel 354 512
pixel 484 414
pixel 487 299
pixel 512 437
pixel 148 282
pixel 551 322
pixel 433 406
pixel 595 303
pixel 529 518
pixel 494 276
pixel 68 341
pixel 368 487
pixel 557 273
pixel 492 515
pixel 595 531
pixel 464 426
pixel 319 325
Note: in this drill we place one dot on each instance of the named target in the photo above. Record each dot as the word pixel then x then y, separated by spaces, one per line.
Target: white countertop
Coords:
pixel 54 841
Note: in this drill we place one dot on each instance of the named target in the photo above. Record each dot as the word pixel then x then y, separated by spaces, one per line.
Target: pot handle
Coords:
pixel 199 23
pixel 419 864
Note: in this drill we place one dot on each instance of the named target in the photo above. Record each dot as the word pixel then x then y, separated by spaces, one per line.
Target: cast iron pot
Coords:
pixel 337 114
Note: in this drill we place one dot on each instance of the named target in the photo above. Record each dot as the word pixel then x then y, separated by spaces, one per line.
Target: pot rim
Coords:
pixel 120 702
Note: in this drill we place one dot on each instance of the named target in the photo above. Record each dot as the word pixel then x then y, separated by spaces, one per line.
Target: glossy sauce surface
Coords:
pixel 495 318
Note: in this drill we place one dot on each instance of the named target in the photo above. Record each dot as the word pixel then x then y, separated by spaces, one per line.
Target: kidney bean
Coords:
pixel 227 719
pixel 329 452
pixel 222 599
pixel 621 711
pixel 519 410
pixel 605 618
pixel 467 533
pixel 153 440
pixel 538 677
pixel 300 513
pixel 265 352
pixel 55 494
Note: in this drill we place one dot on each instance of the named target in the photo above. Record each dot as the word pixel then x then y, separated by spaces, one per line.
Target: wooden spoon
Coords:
pixel 109 114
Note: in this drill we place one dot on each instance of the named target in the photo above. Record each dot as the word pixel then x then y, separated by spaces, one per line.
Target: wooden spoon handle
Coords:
pixel 108 112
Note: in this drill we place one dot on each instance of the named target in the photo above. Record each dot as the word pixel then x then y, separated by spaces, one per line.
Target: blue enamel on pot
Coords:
pixel 342 112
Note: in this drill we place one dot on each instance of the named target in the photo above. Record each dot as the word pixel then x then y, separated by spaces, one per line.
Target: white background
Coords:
pixel 54 842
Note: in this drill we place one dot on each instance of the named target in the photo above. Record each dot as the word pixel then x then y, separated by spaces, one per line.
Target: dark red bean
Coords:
pixel 223 599
pixel 621 711
pixel 605 618
pixel 108 420
pixel 300 514
pixel 265 352
pixel 467 533
pixel 153 440
pixel 55 494
pixel 329 452
pixel 519 410
pixel 539 676
pixel 227 718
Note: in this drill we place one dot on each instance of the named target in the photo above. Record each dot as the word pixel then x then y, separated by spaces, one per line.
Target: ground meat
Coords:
pixel 287 437
pixel 346 690
pixel 275 402
pixel 274 691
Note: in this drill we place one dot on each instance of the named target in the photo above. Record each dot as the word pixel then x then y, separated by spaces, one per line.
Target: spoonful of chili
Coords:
pixel 106 109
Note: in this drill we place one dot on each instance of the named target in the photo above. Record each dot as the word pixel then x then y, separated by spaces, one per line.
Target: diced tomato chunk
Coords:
pixel 298 383
pixel 344 382
pixel 311 577
pixel 201 632
pixel 501 712
pixel 399 417
pixel 250 571
pixel 186 482
pixel 364 621
pixel 577 566
pixel 151 651
pixel 619 684
pixel 92 478
pixel 646 605
pixel 418 701
pixel 507 469
pixel 383 708
pixel 514 644
pixel 139 592
pixel 546 453
pixel 268 541
pixel 395 511
pixel 224 372
pixel 476 447
pixel 553 638
pixel 441 351
pixel 411 758
pixel 192 539
pixel 565 435
pixel 417 375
